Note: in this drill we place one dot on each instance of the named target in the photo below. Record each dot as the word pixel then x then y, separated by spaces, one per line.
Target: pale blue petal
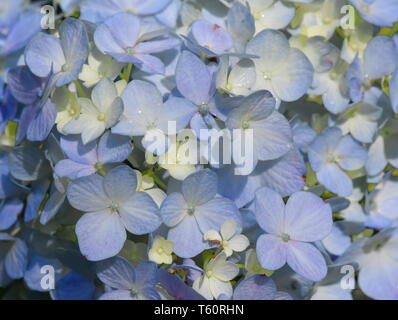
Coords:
pixel 179 110
pixel 24 85
pixel 88 194
pixel 113 148
pixel 149 7
pixel 149 63
pixel 42 123
pixel 307 217
pixel 120 183
pixel 255 287
pixel 272 137
pixel 212 214
pixel 271 252
pixel 173 209
pixel 43 54
pixel 380 58
pixel 155 46
pixel 335 180
pixel 101 235
pixel 74 42
pixel 193 78
pixel 117 295
pixel 73 170
pixel 379 280
pixel 116 273
pixel 294 77
pixel 147 274
pixel 350 154
pixel 76 151
pixel 306 260
pixel 270 211
pixel 140 214
pixel 200 187
pixel 336 242
pixel 188 228
pixel 26 26
pixel 380 12
pixel 394 91
pixel 118 32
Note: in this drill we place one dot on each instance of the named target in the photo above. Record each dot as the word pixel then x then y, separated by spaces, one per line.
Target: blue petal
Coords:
pixel 113 148
pixel 42 123
pixel 255 287
pixel 74 286
pixel 193 78
pixel 9 211
pixel 35 198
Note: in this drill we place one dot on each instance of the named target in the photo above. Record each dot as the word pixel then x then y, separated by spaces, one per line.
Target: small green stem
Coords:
pixel 155 178
pixel 126 74
pixel 80 89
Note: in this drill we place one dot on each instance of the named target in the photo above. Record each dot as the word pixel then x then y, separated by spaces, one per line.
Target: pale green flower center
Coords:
pixel 66 67
pixel 365 7
pixel 245 124
pixel 285 237
pixel 204 109
pixel 101 116
pixel 133 292
pixel 72 112
pixel 129 50
pixel 267 76
pixel 114 207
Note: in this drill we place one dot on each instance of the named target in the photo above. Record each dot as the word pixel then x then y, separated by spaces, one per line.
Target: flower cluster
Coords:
pixel 192 149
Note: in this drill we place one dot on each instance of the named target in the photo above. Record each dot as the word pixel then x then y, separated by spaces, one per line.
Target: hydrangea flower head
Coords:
pixel 119 36
pixel 291 229
pixel 112 205
pixel 98 114
pixel 128 282
pixel 194 211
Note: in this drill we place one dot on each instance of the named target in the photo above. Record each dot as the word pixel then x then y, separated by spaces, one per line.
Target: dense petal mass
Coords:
pixel 224 149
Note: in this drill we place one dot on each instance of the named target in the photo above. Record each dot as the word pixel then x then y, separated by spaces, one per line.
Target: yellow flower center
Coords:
pixel 101 116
